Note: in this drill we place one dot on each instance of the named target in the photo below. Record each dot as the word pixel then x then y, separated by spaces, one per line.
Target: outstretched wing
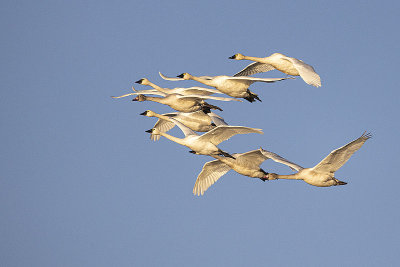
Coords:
pixel 251 158
pixel 186 130
pixel 217 119
pixel 143 92
pixel 279 159
pixel 254 68
pixel 254 79
pixel 210 173
pixel 194 97
pixel 306 72
pixel 162 126
pixel 196 91
pixel 222 133
pixel 340 156
pixel 181 79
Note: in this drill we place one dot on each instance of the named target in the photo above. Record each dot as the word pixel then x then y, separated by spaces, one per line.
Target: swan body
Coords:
pixel 233 86
pixel 285 64
pixel 323 174
pixel 206 144
pixel 197 121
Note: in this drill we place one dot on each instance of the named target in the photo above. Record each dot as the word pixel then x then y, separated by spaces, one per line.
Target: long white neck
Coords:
pixel 173 138
pixel 290 176
pixel 203 81
pixel 156 99
pixel 158 88
pixel 162 117
pixel 257 59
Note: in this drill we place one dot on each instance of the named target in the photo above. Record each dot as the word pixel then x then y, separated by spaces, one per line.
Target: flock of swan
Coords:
pixel 194 115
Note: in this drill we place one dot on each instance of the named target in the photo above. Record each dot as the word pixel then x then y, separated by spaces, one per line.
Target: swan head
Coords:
pixel 272 176
pixel 139 98
pixel 153 131
pixel 143 81
pixel 237 56
pixel 148 113
pixel 184 75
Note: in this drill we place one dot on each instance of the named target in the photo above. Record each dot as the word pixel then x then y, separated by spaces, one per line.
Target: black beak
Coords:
pixel 149 131
pixel 140 81
pixel 135 99
pixel 144 113
pixel 232 57
pixel 180 75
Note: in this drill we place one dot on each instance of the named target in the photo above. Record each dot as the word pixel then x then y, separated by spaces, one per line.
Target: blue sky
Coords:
pixel 83 185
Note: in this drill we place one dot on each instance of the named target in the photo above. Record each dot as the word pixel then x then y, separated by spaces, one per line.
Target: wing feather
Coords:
pixel 254 68
pixel 306 72
pixel 338 157
pixel 210 173
pixel 251 158
pixel 224 132
pixel 279 159
pixel 186 130
pixel 162 126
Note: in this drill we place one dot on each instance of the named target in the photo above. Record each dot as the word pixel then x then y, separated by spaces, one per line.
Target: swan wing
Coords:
pixel 306 72
pixel 181 79
pixel 254 68
pixel 143 92
pixel 217 119
pixel 338 157
pixel 251 158
pixel 224 132
pixel 194 97
pixel 279 159
pixel 186 130
pixel 163 126
pixel 196 91
pixel 210 173
pixel 254 79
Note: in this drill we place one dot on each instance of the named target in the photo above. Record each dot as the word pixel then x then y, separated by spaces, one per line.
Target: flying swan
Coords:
pixel 288 65
pixel 237 87
pixel 206 144
pixel 323 174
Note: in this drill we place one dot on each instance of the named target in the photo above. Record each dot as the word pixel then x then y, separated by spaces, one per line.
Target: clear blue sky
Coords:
pixel 81 183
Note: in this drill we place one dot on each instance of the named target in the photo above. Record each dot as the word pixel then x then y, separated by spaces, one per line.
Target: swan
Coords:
pixel 322 174
pixel 237 87
pixel 197 121
pixel 247 164
pixel 288 65
pixel 178 90
pixel 183 103
pixel 206 144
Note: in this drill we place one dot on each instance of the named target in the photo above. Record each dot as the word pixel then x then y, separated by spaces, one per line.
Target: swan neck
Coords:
pixel 257 59
pixel 203 81
pixel 155 99
pixel 158 88
pixel 290 177
pixel 173 138
pixel 162 117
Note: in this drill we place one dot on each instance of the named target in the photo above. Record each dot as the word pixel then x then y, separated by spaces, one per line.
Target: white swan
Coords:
pixel 247 164
pixel 197 121
pixel 182 91
pixel 288 65
pixel 237 87
pixel 206 144
pixel 323 174
pixel 183 103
